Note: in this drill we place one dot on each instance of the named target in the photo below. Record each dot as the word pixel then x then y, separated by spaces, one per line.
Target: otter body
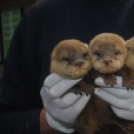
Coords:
pixel 130 57
pixel 108 54
pixel 70 59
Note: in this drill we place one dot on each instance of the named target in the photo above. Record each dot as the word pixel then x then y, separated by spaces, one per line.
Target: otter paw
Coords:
pixel 128 83
pixel 109 79
pixel 128 126
pixel 87 87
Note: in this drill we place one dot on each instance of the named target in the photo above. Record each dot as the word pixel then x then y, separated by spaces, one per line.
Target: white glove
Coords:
pixel 61 112
pixel 121 100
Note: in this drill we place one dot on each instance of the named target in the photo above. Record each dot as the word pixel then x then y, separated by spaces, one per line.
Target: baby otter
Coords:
pixel 108 55
pixel 70 56
pixel 70 59
pixel 130 57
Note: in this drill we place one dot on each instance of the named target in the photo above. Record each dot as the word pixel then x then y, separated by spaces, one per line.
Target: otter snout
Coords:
pixel 107 62
pixel 79 64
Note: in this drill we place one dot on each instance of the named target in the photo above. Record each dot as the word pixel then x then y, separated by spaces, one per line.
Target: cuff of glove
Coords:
pixel 56 125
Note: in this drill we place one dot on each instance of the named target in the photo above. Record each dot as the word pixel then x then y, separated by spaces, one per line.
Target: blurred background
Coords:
pixel 11 12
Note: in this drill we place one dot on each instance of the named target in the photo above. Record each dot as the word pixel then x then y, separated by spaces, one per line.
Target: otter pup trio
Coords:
pixel 107 55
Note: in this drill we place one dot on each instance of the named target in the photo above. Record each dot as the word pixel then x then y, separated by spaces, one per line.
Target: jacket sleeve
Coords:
pixel 19 112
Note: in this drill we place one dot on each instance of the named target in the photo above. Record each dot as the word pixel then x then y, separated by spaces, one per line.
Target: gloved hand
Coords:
pixel 121 100
pixel 61 112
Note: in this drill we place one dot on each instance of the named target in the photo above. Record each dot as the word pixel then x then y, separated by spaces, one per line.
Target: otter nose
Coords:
pixel 79 64
pixel 107 62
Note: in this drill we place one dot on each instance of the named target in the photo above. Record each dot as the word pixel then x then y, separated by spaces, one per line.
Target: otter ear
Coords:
pixel 53 57
pixel 130 44
pixel 129 47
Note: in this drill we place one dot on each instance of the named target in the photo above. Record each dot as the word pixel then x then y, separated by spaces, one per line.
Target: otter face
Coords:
pixel 108 53
pixel 130 56
pixel 70 59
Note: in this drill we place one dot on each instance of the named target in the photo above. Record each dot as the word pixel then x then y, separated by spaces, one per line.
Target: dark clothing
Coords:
pixel 28 60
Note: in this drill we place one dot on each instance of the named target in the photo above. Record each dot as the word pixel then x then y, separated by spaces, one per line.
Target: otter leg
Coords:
pixel 126 126
pixel 109 79
pixel 127 76
pixel 82 87
pixel 86 85
pixel 88 122
pixel 111 129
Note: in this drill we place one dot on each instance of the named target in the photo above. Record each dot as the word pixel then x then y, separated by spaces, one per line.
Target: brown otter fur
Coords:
pixel 130 57
pixel 97 117
pixel 70 59
pixel 108 54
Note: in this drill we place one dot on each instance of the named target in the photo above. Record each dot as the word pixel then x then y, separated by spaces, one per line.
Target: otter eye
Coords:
pixel 85 54
pixel 117 53
pixel 66 59
pixel 97 53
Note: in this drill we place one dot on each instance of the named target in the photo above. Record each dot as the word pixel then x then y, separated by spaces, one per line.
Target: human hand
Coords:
pixel 61 112
pixel 120 99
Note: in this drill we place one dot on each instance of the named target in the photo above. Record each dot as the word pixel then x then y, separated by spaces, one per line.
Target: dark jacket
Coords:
pixel 28 60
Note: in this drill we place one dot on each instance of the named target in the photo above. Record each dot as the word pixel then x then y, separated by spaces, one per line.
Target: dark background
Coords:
pixel 6 5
